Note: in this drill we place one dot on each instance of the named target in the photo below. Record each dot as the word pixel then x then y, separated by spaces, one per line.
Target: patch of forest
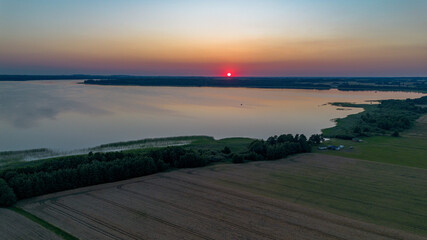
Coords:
pixel 390 117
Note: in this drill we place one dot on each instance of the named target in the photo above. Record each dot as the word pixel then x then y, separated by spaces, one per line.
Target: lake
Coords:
pixel 65 115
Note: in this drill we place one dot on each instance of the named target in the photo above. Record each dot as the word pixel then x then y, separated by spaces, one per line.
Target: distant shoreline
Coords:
pixel 343 84
pixel 407 84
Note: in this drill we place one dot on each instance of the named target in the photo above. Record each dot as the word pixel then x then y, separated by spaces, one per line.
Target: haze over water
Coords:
pixel 65 115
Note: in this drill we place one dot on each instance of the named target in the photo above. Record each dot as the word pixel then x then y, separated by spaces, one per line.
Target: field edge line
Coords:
pixel 56 230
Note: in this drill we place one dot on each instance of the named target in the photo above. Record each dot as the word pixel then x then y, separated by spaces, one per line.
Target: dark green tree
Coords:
pixel 237 158
pixel 226 150
pixel 7 196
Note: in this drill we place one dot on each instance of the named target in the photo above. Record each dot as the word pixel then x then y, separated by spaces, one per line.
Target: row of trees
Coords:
pixel 84 170
pixel 278 147
pixel 180 157
pixel 65 173
pixel 39 183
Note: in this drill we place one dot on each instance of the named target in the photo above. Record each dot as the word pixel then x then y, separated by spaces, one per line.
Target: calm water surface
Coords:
pixel 64 115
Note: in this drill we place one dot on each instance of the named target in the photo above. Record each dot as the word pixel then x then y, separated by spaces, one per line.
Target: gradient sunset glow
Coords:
pixel 210 38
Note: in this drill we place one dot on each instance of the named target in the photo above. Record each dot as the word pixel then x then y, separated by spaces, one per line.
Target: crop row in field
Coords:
pixel 258 200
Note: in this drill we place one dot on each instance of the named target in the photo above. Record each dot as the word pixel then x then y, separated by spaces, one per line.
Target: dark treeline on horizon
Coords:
pixel 29 77
pixel 321 83
pixel 415 84
pixel 53 77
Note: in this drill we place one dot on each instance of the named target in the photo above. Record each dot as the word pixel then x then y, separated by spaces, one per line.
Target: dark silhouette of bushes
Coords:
pixel 190 160
pixel 27 185
pixel 180 157
pixel 395 134
pixel 237 158
pixel 226 150
pixel 277 147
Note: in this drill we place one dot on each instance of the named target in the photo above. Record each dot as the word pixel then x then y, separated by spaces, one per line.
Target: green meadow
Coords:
pixel 384 194
pixel 410 149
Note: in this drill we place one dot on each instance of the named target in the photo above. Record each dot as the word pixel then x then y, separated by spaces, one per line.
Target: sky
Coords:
pixel 212 38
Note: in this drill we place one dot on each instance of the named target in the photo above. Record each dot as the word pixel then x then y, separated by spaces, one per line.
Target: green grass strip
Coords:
pixel 61 233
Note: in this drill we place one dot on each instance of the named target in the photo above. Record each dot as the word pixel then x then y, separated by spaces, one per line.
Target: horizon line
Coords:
pixel 205 76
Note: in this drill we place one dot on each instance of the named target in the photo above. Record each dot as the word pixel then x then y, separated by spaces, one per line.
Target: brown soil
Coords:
pixel 195 204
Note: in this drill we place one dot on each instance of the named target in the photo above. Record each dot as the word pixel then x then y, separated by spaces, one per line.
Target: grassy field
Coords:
pixel 410 149
pixel 345 125
pixel 383 194
pixel 236 145
pixel 282 199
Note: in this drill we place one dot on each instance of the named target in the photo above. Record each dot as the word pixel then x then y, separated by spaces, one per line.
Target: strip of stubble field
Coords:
pixel 253 225
pixel 377 188
pixel 321 221
pixel 229 208
pixel 88 218
pixel 16 226
pixel 340 195
pixel 251 201
pixel 194 222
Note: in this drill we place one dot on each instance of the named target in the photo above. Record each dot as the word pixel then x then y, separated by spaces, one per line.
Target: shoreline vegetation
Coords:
pixel 389 117
pixel 394 132
pixel 11 157
pixel 412 84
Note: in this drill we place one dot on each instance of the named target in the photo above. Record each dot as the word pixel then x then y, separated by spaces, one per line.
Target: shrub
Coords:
pixel 237 158
pixel 252 156
pixel 190 160
pixel 395 134
pixel 226 150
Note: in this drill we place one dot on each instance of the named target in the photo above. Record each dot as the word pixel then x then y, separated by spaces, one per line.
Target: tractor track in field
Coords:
pixel 229 207
pixel 322 194
pixel 338 222
pixel 252 201
pixel 238 226
pixel 157 219
pixel 82 222
pixel 98 221
pixel 313 180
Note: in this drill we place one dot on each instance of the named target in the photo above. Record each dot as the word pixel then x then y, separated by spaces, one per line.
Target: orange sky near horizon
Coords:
pixel 275 38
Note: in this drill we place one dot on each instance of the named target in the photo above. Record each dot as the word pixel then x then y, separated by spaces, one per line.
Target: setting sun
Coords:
pixel 228 74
